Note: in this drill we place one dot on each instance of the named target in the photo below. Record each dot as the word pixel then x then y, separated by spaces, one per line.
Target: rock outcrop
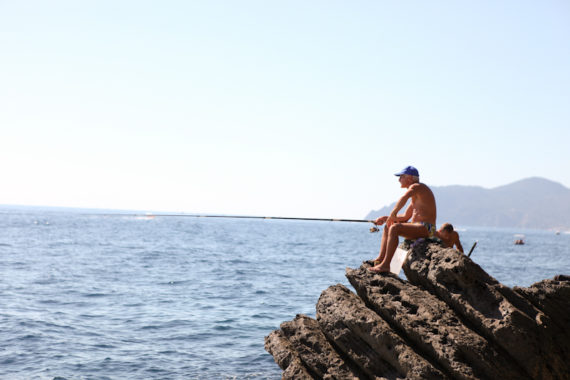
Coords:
pixel 449 320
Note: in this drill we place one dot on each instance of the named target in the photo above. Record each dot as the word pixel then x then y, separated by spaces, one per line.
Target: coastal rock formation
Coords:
pixel 449 320
pixel 367 339
pixel 499 313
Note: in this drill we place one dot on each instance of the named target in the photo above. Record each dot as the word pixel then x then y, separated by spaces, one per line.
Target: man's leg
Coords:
pixel 383 243
pixel 407 230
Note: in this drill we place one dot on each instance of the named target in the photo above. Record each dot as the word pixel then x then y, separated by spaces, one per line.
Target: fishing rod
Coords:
pixel 149 215
pixel 472 248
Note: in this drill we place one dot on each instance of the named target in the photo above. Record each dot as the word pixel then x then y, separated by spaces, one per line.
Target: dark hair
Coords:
pixel 447 227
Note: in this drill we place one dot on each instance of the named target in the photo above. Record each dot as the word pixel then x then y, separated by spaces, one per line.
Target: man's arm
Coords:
pixel 401 203
pixel 405 216
pixel 399 218
pixel 457 242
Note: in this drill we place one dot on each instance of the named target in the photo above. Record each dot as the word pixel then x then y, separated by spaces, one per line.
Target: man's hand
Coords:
pixel 381 220
pixel 393 218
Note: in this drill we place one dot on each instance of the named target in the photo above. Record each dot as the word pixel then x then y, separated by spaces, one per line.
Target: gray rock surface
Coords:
pixel 432 327
pixel 302 338
pixel 449 320
pixel 367 339
pixel 551 297
pixel 286 356
pixel 496 311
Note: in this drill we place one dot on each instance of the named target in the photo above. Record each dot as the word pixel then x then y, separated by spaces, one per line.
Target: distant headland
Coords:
pixel 534 202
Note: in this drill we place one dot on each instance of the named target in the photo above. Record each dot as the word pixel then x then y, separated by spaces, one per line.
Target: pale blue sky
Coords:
pixel 296 108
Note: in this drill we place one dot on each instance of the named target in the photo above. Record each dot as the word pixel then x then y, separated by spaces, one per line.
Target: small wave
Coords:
pixel 137 304
pixel 49 302
pixel 262 316
pixel 199 337
pixel 46 281
pixel 178 323
pixel 150 327
pixel 7 361
pixel 30 337
pixel 90 316
pixel 133 247
pixel 156 370
pixel 76 303
pixel 95 295
pixel 106 346
pixel 168 352
pixel 238 261
pixel 229 320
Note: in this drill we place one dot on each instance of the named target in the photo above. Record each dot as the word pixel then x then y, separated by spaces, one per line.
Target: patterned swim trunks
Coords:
pixel 431 229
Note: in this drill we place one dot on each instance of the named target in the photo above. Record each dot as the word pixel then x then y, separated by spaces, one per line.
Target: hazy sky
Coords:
pixel 289 108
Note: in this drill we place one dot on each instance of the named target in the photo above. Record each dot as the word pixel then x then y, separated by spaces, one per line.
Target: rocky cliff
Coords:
pixel 449 320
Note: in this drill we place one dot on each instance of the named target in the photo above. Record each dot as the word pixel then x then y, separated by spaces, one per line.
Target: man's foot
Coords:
pixel 376 261
pixel 379 269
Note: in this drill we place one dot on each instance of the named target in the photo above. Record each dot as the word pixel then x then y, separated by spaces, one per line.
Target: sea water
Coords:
pixel 86 296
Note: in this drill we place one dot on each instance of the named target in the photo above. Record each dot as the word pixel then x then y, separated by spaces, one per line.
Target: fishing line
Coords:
pixel 242 217
pixel 372 229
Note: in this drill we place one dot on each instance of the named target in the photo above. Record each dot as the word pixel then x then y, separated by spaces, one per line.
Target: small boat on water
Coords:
pixel 519 239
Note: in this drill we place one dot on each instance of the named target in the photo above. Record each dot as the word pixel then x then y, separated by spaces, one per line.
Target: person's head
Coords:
pixel 446 230
pixel 408 176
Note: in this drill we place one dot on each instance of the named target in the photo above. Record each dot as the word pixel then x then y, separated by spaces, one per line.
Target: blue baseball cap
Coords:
pixel 409 170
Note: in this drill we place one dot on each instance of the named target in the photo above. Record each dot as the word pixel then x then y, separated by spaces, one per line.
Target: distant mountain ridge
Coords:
pixel 529 203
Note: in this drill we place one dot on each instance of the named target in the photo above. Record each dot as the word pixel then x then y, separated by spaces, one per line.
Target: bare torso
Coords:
pixel 423 204
pixel 450 239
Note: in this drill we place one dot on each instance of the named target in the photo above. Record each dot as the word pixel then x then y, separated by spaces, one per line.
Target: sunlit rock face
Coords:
pixel 450 319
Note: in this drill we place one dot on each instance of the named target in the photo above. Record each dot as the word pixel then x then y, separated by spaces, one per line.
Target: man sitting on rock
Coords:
pixel 421 211
pixel 449 237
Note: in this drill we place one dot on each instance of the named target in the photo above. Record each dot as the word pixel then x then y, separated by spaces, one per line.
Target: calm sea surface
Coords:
pixel 99 297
